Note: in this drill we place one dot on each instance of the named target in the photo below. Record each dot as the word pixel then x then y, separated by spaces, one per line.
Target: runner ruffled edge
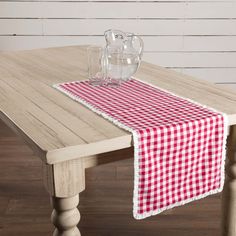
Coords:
pixel 137 215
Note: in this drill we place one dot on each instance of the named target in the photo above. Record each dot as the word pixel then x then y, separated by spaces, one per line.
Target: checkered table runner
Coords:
pixel 179 145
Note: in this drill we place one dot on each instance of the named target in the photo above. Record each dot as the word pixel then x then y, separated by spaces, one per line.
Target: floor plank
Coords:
pixel 105 205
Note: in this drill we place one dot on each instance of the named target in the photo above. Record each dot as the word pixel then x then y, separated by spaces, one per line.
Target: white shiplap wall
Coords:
pixel 197 37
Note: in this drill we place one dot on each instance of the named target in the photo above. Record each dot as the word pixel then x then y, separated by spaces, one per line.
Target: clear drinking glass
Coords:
pixel 113 72
pixel 95 65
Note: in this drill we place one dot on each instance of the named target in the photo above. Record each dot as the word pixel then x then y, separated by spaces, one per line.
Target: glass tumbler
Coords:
pixel 95 65
pixel 113 72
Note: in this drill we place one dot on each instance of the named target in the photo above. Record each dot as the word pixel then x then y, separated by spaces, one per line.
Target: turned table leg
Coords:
pixel 65 216
pixel 229 192
pixel 64 181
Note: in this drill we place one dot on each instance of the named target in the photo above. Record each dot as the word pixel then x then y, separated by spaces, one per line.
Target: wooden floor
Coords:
pixel 106 204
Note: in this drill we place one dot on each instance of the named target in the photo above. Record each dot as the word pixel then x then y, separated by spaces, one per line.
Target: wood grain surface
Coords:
pixel 61 129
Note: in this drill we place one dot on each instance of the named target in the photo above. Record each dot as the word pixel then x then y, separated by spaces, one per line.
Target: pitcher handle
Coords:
pixel 141 44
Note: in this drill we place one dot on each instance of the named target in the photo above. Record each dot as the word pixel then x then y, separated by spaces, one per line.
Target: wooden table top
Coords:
pixel 59 128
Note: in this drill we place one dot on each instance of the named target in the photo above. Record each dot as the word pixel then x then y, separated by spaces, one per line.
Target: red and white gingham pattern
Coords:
pixel 179 144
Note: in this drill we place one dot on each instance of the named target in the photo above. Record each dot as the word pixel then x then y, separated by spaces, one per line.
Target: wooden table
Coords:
pixel 70 138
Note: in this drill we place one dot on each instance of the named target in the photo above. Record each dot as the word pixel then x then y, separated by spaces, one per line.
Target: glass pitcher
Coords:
pixel 128 47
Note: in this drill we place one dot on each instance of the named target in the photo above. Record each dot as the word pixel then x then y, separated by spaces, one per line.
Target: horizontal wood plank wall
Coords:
pixel 197 37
